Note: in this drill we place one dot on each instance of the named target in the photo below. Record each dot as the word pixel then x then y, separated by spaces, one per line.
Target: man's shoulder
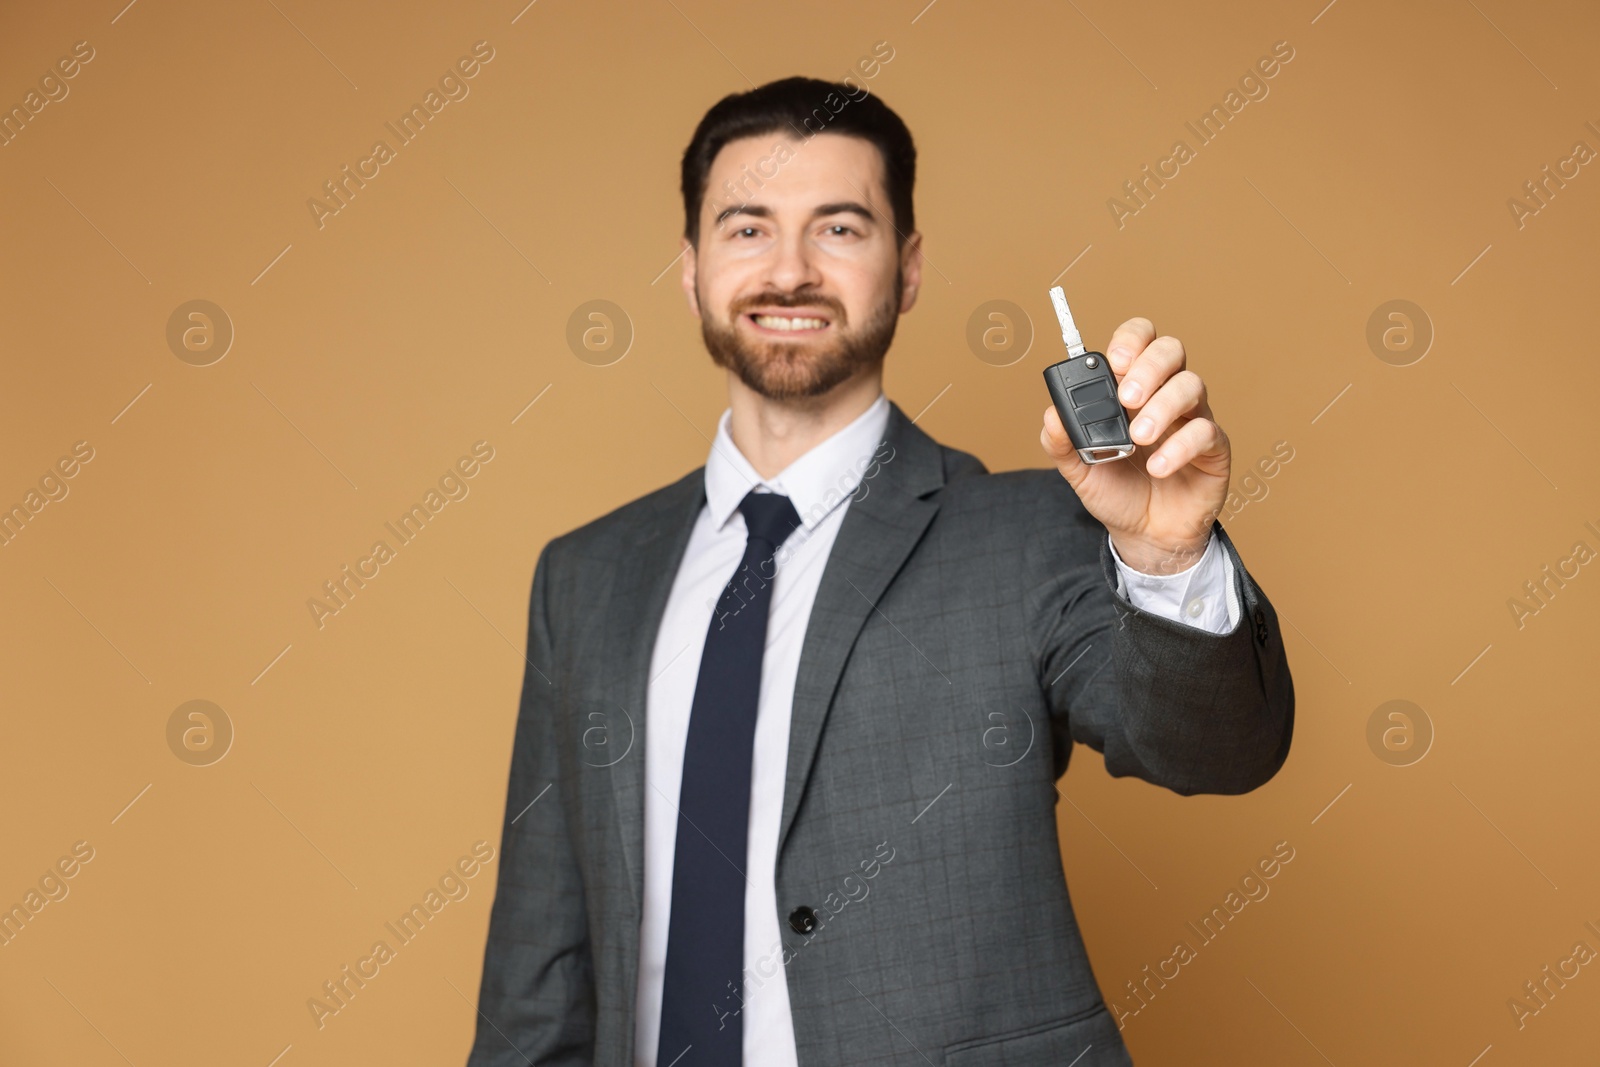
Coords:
pixel 1033 492
pixel 625 524
pixel 1022 526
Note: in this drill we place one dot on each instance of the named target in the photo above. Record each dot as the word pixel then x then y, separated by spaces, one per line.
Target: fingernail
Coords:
pixel 1157 464
pixel 1131 392
pixel 1118 356
pixel 1142 427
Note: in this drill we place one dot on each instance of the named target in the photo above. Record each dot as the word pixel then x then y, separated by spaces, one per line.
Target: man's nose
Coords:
pixel 793 265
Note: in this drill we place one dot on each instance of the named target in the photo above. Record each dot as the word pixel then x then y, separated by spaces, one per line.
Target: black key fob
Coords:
pixel 1084 389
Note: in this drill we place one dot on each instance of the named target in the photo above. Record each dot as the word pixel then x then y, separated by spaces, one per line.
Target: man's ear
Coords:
pixel 910 271
pixel 687 276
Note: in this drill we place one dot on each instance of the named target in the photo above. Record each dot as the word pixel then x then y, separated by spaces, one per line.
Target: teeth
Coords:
pixel 773 322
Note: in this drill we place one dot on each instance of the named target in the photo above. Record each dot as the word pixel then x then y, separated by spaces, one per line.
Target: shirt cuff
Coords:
pixel 1202 596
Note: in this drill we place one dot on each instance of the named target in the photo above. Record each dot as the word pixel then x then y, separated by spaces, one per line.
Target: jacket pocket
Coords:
pixel 1084 1039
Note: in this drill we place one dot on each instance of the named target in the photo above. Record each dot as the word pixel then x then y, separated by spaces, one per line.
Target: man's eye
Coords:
pixel 840 227
pixel 746 230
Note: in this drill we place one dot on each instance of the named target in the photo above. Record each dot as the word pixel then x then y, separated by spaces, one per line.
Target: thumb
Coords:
pixel 1058 446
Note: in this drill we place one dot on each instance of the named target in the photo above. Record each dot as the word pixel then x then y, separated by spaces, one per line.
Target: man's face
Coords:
pixel 798 278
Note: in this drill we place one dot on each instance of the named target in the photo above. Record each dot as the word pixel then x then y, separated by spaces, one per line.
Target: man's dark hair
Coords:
pixel 805 107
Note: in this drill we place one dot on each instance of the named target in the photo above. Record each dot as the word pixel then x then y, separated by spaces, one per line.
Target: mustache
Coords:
pixel 790 300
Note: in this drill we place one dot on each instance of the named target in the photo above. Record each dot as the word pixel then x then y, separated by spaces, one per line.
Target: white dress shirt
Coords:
pixel 819 484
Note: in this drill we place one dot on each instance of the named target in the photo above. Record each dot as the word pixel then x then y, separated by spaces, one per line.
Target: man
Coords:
pixel 783 782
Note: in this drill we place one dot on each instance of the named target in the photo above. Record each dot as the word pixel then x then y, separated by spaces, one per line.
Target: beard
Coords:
pixel 789 370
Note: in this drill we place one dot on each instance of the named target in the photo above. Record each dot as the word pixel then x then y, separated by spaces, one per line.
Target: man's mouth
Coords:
pixel 789 324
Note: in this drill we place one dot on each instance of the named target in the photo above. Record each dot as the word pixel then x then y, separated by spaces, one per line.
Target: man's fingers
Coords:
pixel 1128 341
pixel 1183 394
pixel 1056 442
pixel 1196 439
pixel 1054 436
pixel 1160 360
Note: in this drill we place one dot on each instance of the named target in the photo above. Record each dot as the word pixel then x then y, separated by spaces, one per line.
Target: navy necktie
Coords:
pixel 702 990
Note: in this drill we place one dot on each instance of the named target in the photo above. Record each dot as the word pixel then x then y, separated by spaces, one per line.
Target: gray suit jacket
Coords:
pixel 966 632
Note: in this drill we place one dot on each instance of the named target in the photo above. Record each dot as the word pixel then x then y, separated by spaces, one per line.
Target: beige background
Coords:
pixel 428 314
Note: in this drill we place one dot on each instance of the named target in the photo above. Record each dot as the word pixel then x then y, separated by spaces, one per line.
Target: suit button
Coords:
pixel 1261 626
pixel 802 920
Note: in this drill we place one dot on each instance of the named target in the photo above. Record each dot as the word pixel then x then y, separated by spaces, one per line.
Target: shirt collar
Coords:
pixel 815 483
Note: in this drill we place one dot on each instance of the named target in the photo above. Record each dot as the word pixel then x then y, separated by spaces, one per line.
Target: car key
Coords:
pixel 1084 390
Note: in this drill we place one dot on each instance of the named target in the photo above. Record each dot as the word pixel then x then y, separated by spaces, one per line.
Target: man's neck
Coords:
pixel 772 434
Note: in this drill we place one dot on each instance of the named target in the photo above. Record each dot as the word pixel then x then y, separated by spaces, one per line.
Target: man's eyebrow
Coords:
pixel 847 207
pixel 844 207
pixel 742 209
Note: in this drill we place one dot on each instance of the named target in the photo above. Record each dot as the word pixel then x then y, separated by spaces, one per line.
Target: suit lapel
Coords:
pixel 644 578
pixel 878 533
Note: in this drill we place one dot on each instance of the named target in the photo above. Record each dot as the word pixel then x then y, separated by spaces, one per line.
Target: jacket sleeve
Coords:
pixel 536 999
pixel 1186 709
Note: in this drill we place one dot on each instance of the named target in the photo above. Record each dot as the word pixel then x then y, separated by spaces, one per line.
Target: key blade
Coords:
pixel 1069 329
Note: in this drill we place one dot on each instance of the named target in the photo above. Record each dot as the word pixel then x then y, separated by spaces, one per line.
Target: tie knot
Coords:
pixel 769 517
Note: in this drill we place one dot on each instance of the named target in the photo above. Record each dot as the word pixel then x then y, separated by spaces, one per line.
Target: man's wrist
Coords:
pixel 1150 557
